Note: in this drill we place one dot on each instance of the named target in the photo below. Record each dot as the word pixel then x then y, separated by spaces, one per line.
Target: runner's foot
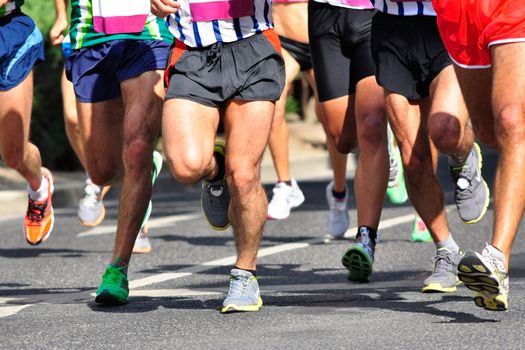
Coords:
pixel 487 276
pixel 284 199
pixel 39 219
pixel 243 294
pixel 338 218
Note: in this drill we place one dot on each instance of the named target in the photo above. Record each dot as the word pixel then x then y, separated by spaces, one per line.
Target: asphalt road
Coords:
pixel 46 292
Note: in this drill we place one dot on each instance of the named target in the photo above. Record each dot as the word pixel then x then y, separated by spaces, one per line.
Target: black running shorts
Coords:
pixel 251 69
pixel 408 52
pixel 299 51
pixel 340 47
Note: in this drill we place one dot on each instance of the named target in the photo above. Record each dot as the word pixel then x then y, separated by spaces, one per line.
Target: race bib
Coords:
pixel 120 16
pixel 209 10
pixel 364 4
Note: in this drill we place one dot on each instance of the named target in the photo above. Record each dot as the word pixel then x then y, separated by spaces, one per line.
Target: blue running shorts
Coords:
pixel 97 71
pixel 21 46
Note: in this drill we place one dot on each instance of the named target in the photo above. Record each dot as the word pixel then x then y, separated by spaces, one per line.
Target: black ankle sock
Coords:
pixel 339 195
pixel 253 272
pixel 221 171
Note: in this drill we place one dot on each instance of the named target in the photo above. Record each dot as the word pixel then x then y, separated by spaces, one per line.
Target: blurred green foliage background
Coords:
pixel 47 126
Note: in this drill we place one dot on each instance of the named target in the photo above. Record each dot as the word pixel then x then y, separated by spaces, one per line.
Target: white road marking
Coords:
pixel 152 223
pixel 188 271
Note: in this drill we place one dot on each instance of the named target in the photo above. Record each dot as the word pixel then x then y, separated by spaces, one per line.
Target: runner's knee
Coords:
pixel 187 168
pixel 445 131
pixel 509 124
pixel 372 133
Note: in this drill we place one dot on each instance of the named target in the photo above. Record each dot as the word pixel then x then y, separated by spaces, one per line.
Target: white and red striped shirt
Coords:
pixel 197 28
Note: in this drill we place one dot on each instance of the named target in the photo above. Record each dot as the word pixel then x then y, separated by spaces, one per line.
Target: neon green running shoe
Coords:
pixel 420 231
pixel 157 166
pixel 359 258
pixel 396 190
pixel 114 288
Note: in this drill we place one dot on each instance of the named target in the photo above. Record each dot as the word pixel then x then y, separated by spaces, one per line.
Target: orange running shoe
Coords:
pixel 39 219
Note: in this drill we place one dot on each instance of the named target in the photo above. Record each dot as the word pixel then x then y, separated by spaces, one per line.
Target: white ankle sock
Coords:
pixel 39 195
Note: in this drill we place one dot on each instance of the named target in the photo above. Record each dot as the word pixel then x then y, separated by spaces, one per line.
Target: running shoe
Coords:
pixel 284 199
pixel 338 218
pixel 114 288
pixel 91 210
pixel 396 190
pixel 444 277
pixel 142 243
pixel 39 219
pixel 359 258
pixel 243 294
pixel 487 276
pixel 155 171
pixel 472 194
pixel 215 198
pixel 420 231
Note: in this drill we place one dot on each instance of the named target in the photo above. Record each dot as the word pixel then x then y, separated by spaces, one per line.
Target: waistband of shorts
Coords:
pixel 255 36
pixel 406 19
pixel 15 13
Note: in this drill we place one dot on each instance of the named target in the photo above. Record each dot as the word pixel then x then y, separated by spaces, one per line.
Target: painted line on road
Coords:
pixel 152 223
pixel 9 310
pixel 230 260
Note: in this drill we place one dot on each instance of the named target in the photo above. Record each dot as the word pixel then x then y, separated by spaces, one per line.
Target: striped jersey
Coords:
pixel 204 33
pixel 83 34
pixel 10 6
pixel 352 4
pixel 405 8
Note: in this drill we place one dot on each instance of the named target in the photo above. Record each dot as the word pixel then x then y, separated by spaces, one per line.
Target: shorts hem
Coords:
pixel 467 66
pixel 200 101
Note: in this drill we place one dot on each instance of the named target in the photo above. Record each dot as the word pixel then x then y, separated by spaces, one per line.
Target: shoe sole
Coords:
pixel 487 199
pixel 477 277
pixel 105 298
pixel 358 264
pixel 231 308
pixel 52 190
pixel 438 288
pixel 145 250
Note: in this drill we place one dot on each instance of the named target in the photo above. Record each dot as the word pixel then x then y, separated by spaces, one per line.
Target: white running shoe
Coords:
pixel 142 243
pixel 284 199
pixel 91 210
pixel 338 218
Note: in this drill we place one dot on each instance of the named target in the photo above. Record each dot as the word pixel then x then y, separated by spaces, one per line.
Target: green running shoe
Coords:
pixel 396 190
pixel 114 288
pixel 157 166
pixel 420 231
pixel 359 258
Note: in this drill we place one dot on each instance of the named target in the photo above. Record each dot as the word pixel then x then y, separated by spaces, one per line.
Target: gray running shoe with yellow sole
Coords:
pixel 215 198
pixel 472 195
pixel 244 294
pixel 487 276
pixel 444 277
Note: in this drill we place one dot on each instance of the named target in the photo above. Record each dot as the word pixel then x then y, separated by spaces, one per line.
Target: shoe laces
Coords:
pixel 238 285
pixel 36 210
pixel 442 262
pixel 281 192
pixel 91 194
pixel 113 274
pixel 392 175
pixel 495 261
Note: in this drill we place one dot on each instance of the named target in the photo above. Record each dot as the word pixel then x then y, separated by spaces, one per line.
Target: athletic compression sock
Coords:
pixel 450 244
